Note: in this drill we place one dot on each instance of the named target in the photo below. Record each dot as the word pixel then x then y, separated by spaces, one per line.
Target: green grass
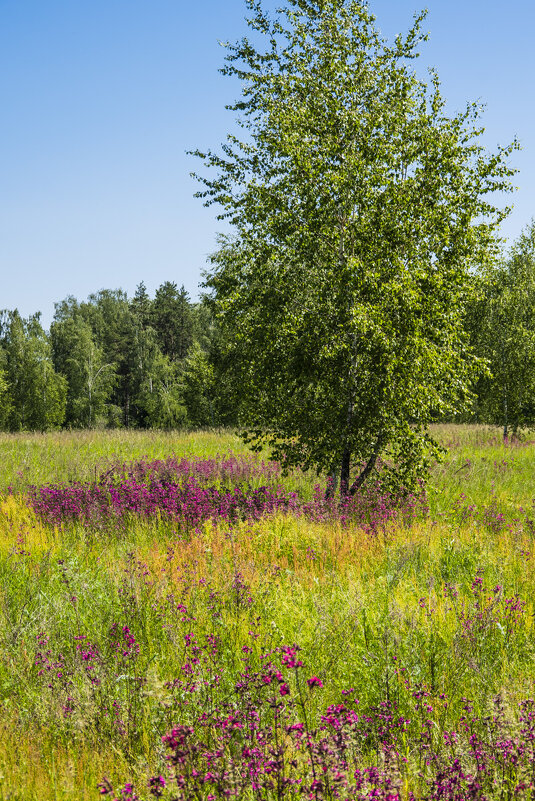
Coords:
pixel 480 466
pixel 352 602
pixel 69 456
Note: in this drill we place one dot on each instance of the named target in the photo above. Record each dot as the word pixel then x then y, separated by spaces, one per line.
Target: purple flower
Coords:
pixel 156 785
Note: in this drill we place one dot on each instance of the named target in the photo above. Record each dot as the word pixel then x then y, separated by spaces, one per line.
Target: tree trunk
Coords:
pixel 211 407
pixel 504 394
pixel 370 464
pixel 332 486
pixel 505 417
pixel 344 471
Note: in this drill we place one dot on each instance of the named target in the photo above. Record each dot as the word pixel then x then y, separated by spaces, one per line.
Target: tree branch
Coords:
pixel 359 481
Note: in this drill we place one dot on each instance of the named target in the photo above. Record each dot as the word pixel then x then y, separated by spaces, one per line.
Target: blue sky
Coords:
pixel 100 102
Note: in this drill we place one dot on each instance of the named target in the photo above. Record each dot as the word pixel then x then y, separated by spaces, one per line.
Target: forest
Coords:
pixel 116 362
pixel 113 362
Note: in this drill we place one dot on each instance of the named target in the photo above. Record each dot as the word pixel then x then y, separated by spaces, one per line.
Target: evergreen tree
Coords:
pixel 144 360
pixel 141 306
pixel 172 320
pixel 225 393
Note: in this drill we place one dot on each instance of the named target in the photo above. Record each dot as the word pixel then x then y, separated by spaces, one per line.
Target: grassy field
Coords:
pixel 119 628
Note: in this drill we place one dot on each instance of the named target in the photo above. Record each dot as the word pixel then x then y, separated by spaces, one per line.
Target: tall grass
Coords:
pixel 112 637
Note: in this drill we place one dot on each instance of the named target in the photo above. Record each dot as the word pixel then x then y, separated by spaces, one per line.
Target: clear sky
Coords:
pixel 101 100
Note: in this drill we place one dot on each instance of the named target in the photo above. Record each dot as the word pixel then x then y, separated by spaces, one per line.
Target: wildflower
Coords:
pixel 297 727
pixel 104 787
pixel 156 785
pixel 314 682
pixel 289 657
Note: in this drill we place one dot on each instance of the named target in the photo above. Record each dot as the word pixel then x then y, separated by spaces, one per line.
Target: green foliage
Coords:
pixel 198 388
pixel 5 398
pixel 159 397
pixel 107 332
pixel 172 320
pixel 124 360
pixel 224 392
pixel 35 396
pixel 90 379
pixel 502 325
pixel 359 208
pixel 141 305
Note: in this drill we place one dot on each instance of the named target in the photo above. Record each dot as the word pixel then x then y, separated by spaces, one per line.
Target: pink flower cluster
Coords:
pixel 188 503
pixel 191 491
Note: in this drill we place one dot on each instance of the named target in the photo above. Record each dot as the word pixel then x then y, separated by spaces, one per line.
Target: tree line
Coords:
pixel 113 361
pixel 162 362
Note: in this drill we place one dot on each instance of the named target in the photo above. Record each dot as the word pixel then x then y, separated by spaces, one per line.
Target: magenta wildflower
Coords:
pixel 104 787
pixel 156 785
pixel 289 658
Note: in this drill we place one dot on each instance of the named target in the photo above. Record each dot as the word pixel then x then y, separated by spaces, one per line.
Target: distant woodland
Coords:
pixel 162 362
pixel 114 361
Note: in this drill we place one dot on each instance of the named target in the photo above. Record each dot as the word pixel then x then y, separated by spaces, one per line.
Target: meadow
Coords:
pixel 180 620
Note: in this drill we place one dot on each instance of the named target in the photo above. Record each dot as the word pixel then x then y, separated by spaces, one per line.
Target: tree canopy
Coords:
pixel 501 321
pixel 106 363
pixel 359 207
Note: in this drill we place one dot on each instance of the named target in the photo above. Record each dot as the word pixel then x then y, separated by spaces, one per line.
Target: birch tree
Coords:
pixel 358 207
